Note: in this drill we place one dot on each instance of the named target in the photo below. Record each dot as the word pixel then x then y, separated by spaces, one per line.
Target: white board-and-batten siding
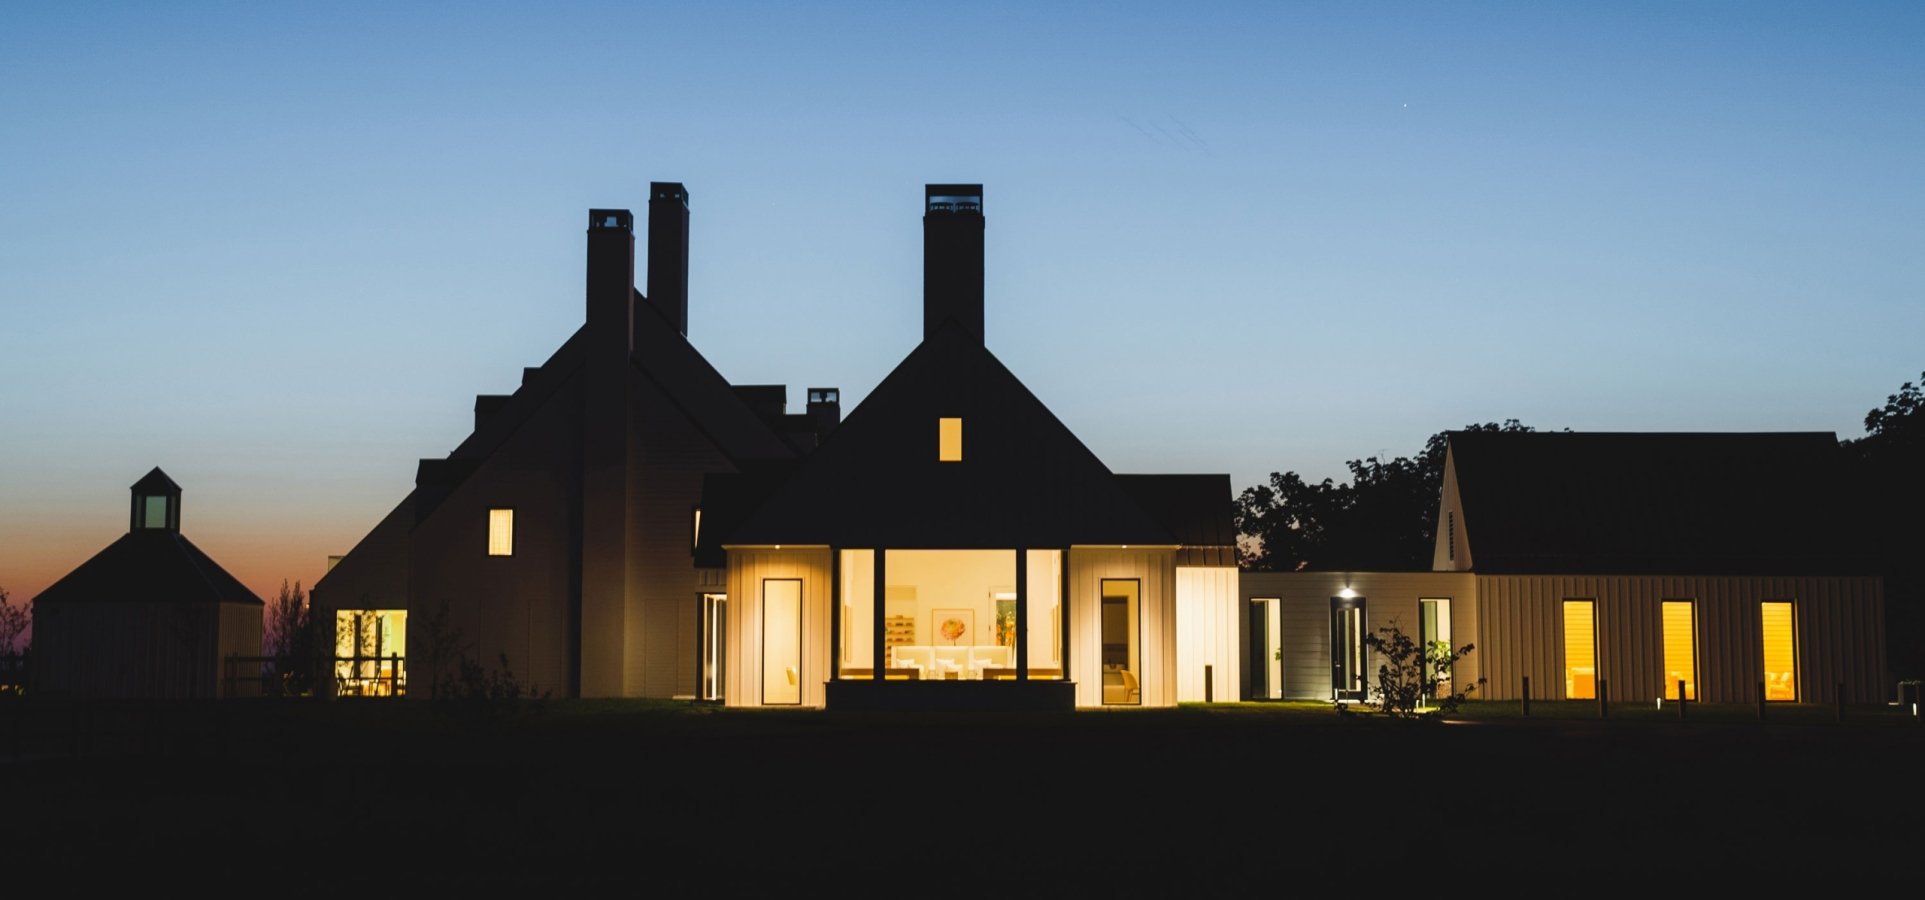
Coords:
pixel 1208 622
pixel 748 569
pixel 1156 650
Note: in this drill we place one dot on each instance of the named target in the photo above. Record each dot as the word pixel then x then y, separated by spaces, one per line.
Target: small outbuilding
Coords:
pixel 150 616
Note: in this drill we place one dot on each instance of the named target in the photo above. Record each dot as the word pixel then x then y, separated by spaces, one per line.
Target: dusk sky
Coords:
pixel 277 249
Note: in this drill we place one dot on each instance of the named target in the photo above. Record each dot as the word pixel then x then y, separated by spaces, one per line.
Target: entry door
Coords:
pixel 1259 632
pixel 1348 678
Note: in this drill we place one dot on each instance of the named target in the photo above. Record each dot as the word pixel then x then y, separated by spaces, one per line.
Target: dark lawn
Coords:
pixel 1198 801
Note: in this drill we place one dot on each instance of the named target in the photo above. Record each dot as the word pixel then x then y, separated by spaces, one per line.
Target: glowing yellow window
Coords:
pixel 949 440
pixel 1580 650
pixel 501 532
pixel 1781 650
pixel 1680 649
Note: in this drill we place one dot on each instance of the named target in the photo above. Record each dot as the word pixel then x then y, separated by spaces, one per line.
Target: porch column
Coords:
pixel 835 613
pixel 1062 611
pixel 878 660
pixel 1022 614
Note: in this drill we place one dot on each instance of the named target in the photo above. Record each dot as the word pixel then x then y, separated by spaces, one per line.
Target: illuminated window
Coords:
pixel 1680 649
pixel 370 647
pixel 1779 625
pixel 501 532
pixel 695 537
pixel 1433 638
pixel 949 440
pixel 1580 650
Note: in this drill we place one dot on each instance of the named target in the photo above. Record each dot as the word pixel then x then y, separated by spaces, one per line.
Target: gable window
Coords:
pixel 695 535
pixel 501 532
pixel 949 439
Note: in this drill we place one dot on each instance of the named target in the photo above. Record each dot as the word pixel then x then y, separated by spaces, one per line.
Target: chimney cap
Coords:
pixel 667 190
pixel 611 220
pixel 965 199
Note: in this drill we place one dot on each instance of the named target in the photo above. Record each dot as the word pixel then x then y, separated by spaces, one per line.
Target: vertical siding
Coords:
pixel 1208 620
pixel 139 649
pixel 1839 619
pixel 747 570
pixel 668 456
pixel 1156 569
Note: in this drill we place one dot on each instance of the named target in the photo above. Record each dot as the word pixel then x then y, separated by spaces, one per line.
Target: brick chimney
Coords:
pixel 952 257
pixel 611 273
pixel 668 252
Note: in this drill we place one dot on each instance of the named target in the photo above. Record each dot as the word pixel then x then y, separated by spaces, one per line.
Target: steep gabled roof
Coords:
pixel 663 355
pixel 155 482
pixel 1024 480
pixel 1656 503
pixel 153 565
pixel 1196 509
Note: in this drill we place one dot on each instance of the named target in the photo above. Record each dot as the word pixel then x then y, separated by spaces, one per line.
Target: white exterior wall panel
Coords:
pixel 1208 611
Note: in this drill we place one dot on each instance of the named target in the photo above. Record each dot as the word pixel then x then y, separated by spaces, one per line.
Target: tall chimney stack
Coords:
pixel 611 273
pixel 668 252
pixel 952 257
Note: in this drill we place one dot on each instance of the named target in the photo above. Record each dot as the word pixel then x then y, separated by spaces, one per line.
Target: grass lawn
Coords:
pixel 1202 800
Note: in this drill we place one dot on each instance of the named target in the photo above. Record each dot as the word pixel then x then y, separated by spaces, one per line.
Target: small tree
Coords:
pixel 436 648
pixel 293 642
pixel 1410 673
pixel 14 621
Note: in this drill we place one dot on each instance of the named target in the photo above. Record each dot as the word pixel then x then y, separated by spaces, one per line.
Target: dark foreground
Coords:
pixel 352 797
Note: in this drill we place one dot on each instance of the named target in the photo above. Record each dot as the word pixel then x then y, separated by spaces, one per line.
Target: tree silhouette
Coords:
pixel 1383 519
pixel 1888 465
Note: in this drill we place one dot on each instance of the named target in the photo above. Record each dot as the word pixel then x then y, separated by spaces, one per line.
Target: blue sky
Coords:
pixel 277 249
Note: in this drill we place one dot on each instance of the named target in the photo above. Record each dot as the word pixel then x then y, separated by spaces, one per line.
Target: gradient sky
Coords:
pixel 276 249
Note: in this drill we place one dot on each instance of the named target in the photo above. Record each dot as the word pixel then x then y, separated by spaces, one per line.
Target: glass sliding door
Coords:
pixel 782 641
pixel 1045 626
pixel 1433 640
pixel 1778 622
pixel 857 639
pixel 1580 650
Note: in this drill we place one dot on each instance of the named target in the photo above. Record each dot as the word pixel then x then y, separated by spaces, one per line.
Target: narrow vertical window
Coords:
pixel 1450 549
pixel 1580 650
pixel 1680 649
pixel 153 512
pixel 501 532
pixel 695 531
pixel 949 440
pixel 1779 626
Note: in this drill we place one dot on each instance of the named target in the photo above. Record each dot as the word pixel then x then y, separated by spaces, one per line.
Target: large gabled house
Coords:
pixel 630 524
pixel 1729 567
